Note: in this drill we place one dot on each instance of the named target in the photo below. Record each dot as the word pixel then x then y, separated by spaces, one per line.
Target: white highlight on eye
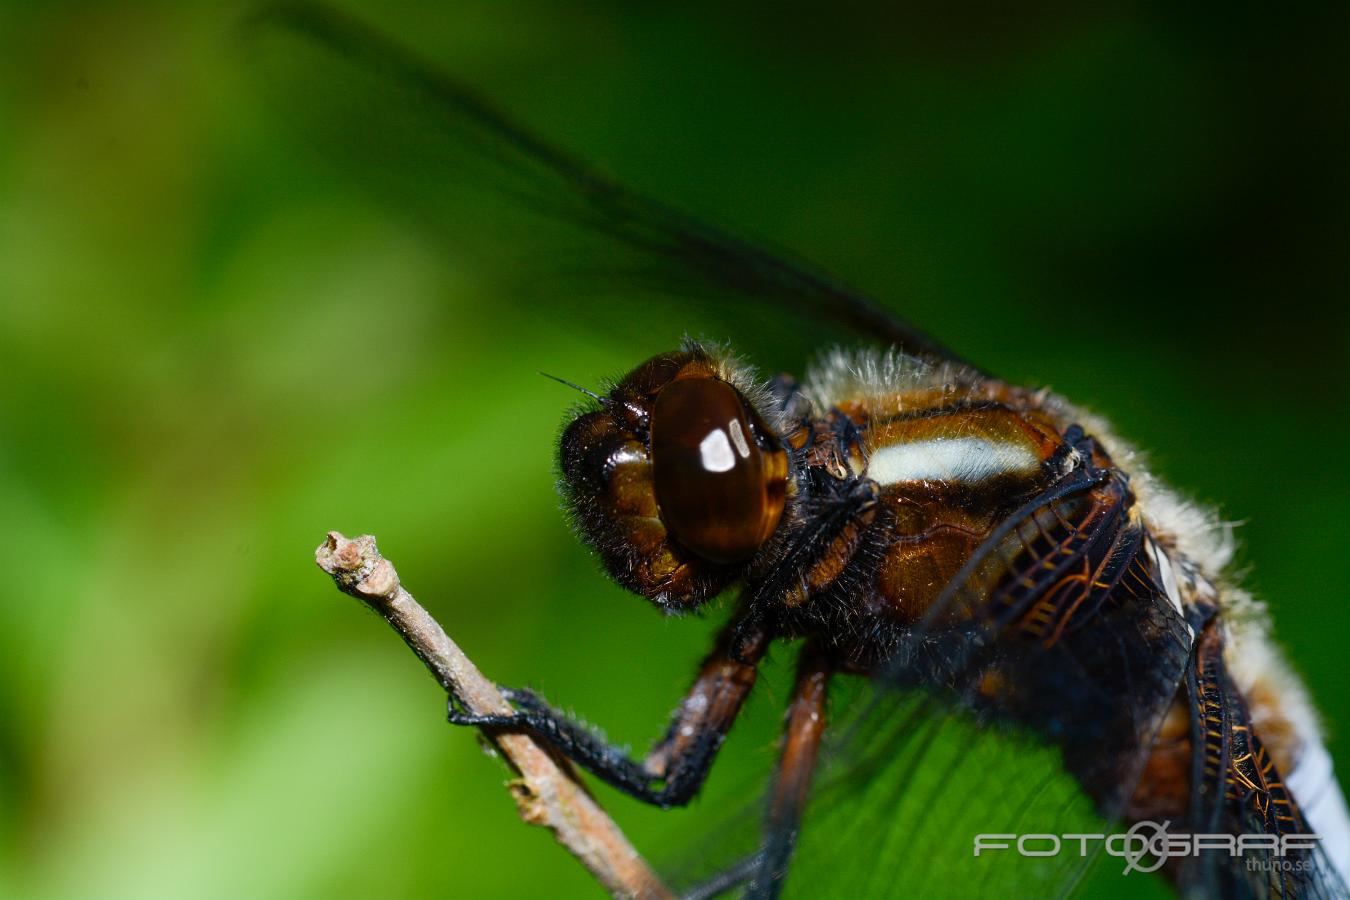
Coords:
pixel 738 438
pixel 964 459
pixel 716 452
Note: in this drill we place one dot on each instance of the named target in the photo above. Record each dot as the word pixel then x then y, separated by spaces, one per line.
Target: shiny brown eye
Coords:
pixel 719 480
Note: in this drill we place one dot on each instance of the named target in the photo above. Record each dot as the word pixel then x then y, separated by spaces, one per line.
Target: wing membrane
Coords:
pixel 938 775
pixel 904 790
pixel 558 230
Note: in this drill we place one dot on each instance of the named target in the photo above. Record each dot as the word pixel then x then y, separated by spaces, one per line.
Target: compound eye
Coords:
pixel 719 475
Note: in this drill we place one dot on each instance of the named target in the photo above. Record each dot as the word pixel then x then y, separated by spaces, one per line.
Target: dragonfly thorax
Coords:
pixel 933 459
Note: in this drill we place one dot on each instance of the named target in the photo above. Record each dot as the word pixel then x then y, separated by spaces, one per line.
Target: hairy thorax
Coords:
pixel 947 455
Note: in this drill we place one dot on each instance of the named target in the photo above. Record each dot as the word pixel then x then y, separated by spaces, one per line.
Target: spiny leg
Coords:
pixel 801 746
pixel 676 767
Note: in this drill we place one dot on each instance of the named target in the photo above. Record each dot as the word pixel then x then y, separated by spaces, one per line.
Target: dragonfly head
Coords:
pixel 675 479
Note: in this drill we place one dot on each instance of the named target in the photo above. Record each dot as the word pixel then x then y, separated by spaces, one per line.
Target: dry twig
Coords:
pixel 547 792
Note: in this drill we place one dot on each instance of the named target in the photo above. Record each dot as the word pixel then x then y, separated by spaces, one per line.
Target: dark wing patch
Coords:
pixel 1096 672
pixel 1060 623
pixel 517 203
pixel 1236 789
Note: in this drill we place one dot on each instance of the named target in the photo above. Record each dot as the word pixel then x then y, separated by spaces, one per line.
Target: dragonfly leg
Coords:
pixel 674 770
pixel 801 746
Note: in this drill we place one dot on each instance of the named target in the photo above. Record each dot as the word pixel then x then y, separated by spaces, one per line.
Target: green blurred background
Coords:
pixel 213 349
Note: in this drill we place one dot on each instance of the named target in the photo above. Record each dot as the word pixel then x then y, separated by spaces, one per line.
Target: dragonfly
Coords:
pixel 995 563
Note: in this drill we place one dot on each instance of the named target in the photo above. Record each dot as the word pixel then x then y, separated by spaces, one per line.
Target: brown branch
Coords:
pixel 547 792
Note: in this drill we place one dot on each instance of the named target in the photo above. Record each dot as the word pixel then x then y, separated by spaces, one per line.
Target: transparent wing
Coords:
pixel 560 236
pixel 910 786
pixel 902 810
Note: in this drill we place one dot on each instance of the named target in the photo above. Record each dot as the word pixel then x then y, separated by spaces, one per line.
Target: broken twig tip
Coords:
pixel 357 567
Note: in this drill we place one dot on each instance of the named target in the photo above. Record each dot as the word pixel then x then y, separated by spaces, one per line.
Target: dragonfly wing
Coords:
pixel 933 806
pixel 898 812
pixel 569 237
pixel 1061 623
pixel 1237 789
